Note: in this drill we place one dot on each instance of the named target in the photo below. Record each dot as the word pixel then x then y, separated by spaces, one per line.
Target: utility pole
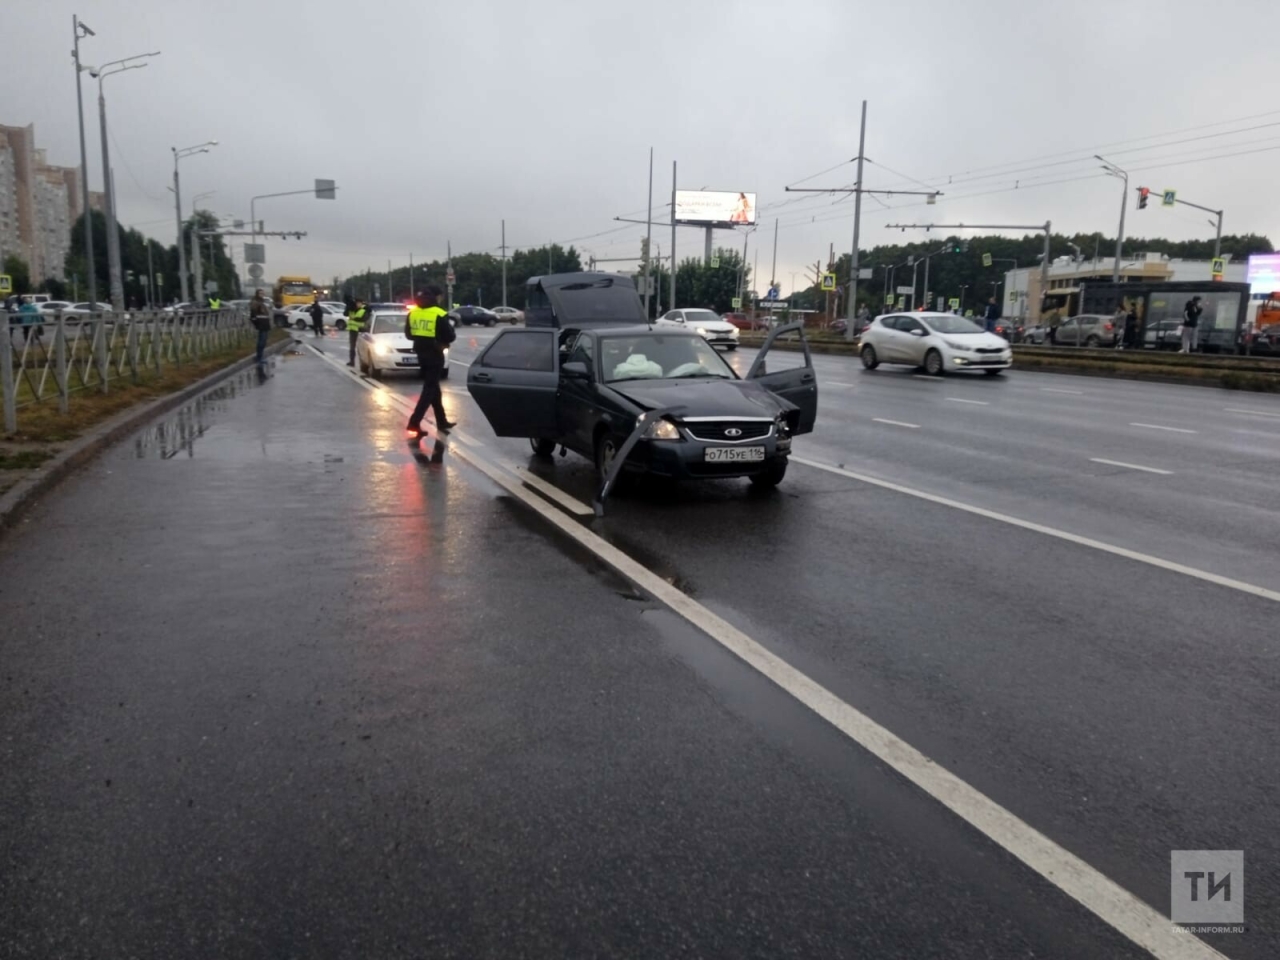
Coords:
pixel 1115 171
pixel 76 27
pixel 648 240
pixel 672 295
pixel 449 272
pixel 504 263
pixel 857 191
pixel 1217 240
pixel 151 278
pixel 773 271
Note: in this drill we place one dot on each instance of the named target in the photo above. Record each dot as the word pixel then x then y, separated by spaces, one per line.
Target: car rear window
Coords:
pixel 522 350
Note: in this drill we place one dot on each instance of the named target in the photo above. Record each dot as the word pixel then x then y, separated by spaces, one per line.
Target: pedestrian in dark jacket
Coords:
pixel 260 317
pixel 317 317
pixel 428 326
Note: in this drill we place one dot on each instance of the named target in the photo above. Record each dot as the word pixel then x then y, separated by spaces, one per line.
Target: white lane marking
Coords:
pixel 1156 426
pixel 572 504
pixel 1130 466
pixel 925 376
pixel 981 403
pixel 1115 905
pixel 1078 393
pixel 459 362
pixel 897 423
pixel 835 383
pixel 1256 413
pixel 1217 579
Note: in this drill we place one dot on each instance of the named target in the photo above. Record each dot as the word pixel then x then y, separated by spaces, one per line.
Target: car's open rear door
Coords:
pixel 798 384
pixel 514 382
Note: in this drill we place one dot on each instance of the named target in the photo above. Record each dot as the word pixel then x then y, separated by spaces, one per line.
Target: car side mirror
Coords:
pixel 575 370
pixel 919 333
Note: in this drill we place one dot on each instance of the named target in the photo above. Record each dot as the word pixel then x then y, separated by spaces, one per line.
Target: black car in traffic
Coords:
pixel 589 374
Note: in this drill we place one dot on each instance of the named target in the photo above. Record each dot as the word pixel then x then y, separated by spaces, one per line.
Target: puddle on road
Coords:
pixel 177 432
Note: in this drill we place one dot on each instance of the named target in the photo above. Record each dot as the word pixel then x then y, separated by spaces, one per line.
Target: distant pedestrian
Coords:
pixel 317 317
pixel 1131 328
pixel 991 315
pixel 428 326
pixel 30 314
pixel 1190 321
pixel 355 326
pixel 260 317
pixel 1117 323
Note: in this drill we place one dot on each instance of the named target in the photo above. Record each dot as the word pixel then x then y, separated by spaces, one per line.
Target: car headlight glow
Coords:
pixel 700 331
pixel 662 430
pixel 382 349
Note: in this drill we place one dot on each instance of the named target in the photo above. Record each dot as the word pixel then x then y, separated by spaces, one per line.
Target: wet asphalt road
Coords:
pixel 314 696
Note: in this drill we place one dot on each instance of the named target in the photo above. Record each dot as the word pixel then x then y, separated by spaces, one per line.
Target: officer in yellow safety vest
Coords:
pixel 428 326
pixel 355 326
pixel 215 303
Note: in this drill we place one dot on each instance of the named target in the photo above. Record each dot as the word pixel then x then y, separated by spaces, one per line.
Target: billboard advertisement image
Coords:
pixel 715 207
pixel 1264 273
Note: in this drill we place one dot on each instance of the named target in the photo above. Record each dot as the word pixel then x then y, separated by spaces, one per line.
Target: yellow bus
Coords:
pixel 291 291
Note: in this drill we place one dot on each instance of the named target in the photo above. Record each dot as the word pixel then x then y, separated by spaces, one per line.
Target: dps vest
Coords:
pixel 356 320
pixel 422 321
pixel 215 303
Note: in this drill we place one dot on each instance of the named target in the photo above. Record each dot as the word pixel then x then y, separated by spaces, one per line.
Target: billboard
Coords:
pixel 715 207
pixel 1264 273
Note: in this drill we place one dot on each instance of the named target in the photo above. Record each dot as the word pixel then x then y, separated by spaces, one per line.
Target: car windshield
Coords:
pixel 295 289
pixel 387 323
pixel 946 324
pixel 660 358
pixel 701 316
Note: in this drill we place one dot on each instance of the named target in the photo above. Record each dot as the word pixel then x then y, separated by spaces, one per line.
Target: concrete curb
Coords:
pixel 26 492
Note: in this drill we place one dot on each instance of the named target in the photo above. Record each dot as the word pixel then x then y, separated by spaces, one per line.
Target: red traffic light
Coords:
pixel 1143 194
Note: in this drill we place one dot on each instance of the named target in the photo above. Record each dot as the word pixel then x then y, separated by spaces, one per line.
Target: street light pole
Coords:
pixel 852 303
pixel 76 27
pixel 109 194
pixel 197 258
pixel 177 210
pixel 1115 171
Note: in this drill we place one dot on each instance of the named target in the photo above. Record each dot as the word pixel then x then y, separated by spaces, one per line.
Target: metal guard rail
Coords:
pixel 43 359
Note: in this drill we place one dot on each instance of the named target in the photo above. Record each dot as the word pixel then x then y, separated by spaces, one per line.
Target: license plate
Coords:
pixel 733 454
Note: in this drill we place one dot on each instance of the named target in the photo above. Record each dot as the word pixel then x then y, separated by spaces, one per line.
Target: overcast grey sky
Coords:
pixel 439 120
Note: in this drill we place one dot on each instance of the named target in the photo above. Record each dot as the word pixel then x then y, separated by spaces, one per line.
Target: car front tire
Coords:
pixel 772 475
pixel 299 325
pixel 606 449
pixel 869 359
pixel 1092 340
pixel 933 364
pixel 542 447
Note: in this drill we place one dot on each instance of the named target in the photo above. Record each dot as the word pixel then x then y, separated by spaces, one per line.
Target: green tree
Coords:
pixel 19 272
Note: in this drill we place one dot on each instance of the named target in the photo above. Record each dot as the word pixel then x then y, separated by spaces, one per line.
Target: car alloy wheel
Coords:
pixel 869 358
pixel 933 365
pixel 606 450
pixel 1092 340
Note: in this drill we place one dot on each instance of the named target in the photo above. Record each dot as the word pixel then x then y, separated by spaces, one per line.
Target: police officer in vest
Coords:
pixel 214 302
pixel 355 326
pixel 428 326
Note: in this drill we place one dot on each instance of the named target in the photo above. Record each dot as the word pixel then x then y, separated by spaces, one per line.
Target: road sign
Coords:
pixel 907 289
pixel 377 291
pixel 325 190
pixel 953 303
pixel 1168 198
pixel 736 303
pixel 450 277
pixel 1013 296
pixel 255 253
pixel 986 259
pixel 864 273
pixel 828 281
pixel 773 304
pixel 1219 266
pixel 715 263
pixel 902 302
pixel 888 299
pixel 211 286
pixel 6 283
pixel 255 271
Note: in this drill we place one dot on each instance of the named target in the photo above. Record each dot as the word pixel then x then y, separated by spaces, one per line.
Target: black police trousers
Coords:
pixel 431 368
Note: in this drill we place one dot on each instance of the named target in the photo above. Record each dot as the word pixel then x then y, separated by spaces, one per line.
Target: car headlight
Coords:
pixel 963 347
pixel 662 430
pixel 734 333
pixel 382 350
pixel 781 428
pixel 700 331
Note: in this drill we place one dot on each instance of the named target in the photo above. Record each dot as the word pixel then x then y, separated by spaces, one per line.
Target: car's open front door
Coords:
pixel 798 384
pixel 514 382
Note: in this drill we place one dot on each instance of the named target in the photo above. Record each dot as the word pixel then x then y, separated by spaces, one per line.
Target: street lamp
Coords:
pixel 177 207
pixel 1115 171
pixel 196 257
pixel 79 30
pixel 109 194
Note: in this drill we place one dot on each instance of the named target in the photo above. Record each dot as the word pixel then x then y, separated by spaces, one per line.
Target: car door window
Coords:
pixel 583 352
pixel 909 324
pixel 521 350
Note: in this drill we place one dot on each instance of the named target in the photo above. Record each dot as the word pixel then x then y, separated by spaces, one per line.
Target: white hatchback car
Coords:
pixel 939 342
pixel 707 323
pixel 383 347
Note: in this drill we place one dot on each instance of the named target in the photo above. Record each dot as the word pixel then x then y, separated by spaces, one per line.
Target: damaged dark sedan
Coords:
pixel 589 374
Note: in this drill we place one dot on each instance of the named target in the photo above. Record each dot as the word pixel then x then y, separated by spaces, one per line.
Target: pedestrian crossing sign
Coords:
pixel 1219 266
pixel 902 302
pixel 6 283
pixel 1168 198
pixel 888 298
pixel 828 282
pixel 737 303
pixel 953 303
pixel 986 260
pixel 715 263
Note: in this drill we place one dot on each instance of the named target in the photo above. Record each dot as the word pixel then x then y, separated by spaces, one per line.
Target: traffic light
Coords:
pixel 1143 194
pixel 955 246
